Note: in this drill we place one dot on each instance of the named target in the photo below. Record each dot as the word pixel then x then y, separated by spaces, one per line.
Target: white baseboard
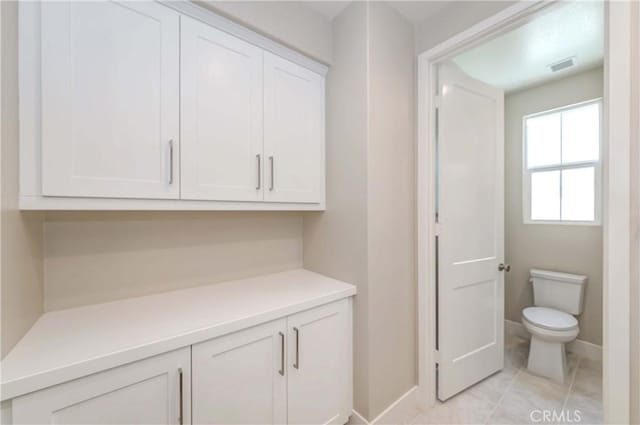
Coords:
pixel 578 347
pixel 401 411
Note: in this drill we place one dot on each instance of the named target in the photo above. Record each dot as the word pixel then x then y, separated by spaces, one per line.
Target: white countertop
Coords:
pixel 68 344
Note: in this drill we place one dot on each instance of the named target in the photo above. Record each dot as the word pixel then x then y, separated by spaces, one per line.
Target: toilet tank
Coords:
pixel 562 291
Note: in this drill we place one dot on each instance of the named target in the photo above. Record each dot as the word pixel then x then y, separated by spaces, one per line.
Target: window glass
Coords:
pixel 578 189
pixel 543 140
pixel 581 134
pixel 545 195
pixel 562 164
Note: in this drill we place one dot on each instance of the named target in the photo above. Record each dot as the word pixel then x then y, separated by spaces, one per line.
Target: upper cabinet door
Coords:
pixel 293 132
pixel 221 100
pixel 110 100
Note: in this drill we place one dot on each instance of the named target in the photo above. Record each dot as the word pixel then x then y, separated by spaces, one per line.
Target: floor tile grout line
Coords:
pixel 573 380
pixel 495 408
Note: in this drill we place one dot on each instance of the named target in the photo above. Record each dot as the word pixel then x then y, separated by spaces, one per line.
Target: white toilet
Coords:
pixel 557 297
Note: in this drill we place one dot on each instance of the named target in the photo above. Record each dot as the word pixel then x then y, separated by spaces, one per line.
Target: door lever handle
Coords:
pixel 504 267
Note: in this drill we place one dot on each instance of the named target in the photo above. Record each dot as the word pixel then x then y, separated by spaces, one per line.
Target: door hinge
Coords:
pixel 436 356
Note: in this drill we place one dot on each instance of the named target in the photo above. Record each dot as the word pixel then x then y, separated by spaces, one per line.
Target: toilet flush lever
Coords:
pixel 504 267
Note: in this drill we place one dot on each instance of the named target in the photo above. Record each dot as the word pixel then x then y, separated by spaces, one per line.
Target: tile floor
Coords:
pixel 510 396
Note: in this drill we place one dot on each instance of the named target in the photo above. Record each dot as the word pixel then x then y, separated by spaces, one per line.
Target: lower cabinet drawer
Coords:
pixel 151 391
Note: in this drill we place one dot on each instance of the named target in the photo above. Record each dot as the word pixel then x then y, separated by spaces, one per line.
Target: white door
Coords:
pixel 470 231
pixel 241 378
pixel 293 132
pixel 319 362
pixel 110 93
pixel 221 110
pixel 156 390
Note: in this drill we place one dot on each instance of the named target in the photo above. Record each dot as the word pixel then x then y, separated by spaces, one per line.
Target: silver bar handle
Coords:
pixel 180 412
pixel 281 371
pixel 296 364
pixel 259 173
pixel 271 163
pixel 171 161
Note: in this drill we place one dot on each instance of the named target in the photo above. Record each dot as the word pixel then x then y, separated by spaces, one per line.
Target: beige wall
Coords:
pixel 289 22
pixel 573 249
pixel 391 206
pixel 335 241
pixel 21 251
pixel 103 256
pixel 366 234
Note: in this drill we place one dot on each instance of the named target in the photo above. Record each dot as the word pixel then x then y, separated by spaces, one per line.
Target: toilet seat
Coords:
pixel 550 319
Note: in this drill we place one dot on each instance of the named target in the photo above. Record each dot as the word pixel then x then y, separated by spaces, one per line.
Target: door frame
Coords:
pixel 617 195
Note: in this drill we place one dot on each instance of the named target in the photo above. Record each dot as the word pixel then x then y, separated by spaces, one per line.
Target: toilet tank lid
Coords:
pixel 559 276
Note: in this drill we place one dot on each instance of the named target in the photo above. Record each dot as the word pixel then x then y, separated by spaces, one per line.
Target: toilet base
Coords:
pixel 548 359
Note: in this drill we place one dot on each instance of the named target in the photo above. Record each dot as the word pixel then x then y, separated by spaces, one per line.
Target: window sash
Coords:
pixel 581 164
pixel 527 172
pixel 597 195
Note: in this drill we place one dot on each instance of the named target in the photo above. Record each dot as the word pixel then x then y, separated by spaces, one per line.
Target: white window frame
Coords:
pixel 527 172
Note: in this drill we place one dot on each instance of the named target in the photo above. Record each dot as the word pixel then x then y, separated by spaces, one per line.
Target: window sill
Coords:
pixel 564 223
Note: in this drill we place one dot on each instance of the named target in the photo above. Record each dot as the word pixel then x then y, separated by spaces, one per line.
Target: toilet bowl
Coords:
pixel 550 329
pixel 557 297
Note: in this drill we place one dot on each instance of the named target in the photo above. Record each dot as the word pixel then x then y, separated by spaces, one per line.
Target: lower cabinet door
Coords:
pixel 241 378
pixel 320 365
pixel 151 391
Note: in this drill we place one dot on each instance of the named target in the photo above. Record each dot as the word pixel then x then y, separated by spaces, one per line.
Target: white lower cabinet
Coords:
pixel 319 366
pixel 240 378
pixel 156 390
pixel 295 370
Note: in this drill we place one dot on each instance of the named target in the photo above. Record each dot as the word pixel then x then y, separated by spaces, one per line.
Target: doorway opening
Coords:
pixel 515 119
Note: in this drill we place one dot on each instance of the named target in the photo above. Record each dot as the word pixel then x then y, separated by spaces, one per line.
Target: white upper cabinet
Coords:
pixel 221 101
pixel 149 106
pixel 293 132
pixel 110 100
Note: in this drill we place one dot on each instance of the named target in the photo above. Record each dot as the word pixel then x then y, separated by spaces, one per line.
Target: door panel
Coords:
pixel 318 365
pixel 144 392
pixel 293 132
pixel 221 101
pixel 110 87
pixel 237 379
pixel 471 231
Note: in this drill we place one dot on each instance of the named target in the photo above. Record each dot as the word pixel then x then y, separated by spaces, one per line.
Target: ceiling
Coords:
pixel 521 57
pixel 418 11
pixel 413 11
pixel 328 9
